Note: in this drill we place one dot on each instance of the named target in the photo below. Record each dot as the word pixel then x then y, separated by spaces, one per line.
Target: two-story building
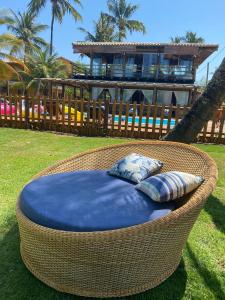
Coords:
pixel 162 73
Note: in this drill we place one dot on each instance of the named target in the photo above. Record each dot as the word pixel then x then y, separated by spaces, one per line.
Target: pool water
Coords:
pixel 143 121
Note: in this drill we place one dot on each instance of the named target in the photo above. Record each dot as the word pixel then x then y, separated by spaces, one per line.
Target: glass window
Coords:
pixel 130 69
pixel 172 97
pixel 118 66
pixel 186 67
pixel 96 93
pixel 164 64
pixel 127 94
pixel 148 94
pixel 97 66
pixel 182 97
pixel 149 64
pixel 164 97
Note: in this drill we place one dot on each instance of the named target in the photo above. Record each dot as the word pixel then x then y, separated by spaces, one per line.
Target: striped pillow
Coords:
pixel 135 167
pixel 169 186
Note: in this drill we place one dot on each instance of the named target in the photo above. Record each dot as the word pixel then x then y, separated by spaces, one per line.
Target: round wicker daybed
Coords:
pixel 124 261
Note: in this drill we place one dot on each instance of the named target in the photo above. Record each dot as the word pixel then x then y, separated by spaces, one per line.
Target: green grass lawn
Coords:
pixel 24 153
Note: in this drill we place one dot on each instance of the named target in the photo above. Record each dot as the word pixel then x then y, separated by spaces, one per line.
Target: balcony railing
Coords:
pixel 135 72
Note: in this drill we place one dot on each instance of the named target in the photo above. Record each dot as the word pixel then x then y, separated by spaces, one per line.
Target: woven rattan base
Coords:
pixel 125 261
pixel 75 291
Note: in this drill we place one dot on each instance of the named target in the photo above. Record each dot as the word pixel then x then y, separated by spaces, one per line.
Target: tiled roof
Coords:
pixel 144 44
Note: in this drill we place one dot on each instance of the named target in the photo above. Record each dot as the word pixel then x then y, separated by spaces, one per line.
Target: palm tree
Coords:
pixel 104 31
pixel 9 64
pixel 120 13
pixel 59 9
pixel 176 39
pixel 42 64
pixel 202 111
pixel 24 29
pixel 190 37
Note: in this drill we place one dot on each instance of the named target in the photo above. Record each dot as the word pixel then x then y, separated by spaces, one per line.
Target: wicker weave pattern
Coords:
pixel 125 261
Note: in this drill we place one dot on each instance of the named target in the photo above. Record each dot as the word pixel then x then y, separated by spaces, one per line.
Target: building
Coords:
pixel 161 73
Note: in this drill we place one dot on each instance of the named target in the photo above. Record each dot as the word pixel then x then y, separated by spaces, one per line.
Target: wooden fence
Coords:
pixel 101 118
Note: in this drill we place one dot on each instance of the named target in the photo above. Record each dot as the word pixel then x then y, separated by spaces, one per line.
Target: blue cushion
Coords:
pixel 135 167
pixel 169 186
pixel 88 201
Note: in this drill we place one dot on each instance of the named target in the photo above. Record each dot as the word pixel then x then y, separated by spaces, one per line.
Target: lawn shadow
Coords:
pixel 16 282
pixel 216 210
pixel 208 276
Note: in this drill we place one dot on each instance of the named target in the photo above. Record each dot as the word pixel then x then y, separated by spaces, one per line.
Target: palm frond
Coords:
pixel 120 13
pixel 35 6
pixel 88 35
pixel 134 25
pixel 7 72
pixel 71 10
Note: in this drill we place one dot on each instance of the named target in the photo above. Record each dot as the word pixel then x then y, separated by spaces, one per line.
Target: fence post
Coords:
pixel 106 116
pixel 27 109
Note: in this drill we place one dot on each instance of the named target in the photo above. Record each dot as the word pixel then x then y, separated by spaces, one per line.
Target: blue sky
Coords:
pixel 163 19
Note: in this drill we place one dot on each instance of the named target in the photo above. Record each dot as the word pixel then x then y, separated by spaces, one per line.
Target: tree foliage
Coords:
pixel 104 31
pixel 120 14
pixel 190 37
pixel 24 31
pixel 43 65
pixel 59 8
pixel 9 64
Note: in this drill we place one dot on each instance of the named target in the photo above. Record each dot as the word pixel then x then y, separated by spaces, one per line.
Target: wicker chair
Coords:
pixel 124 261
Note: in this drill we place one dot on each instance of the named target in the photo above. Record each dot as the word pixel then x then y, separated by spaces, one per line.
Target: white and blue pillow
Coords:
pixel 135 167
pixel 169 186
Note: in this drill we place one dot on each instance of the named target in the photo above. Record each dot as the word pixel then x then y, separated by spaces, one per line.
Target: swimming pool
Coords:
pixel 143 121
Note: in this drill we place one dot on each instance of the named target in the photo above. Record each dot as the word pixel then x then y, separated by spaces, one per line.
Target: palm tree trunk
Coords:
pixel 25 54
pixel 52 30
pixel 38 88
pixel 120 37
pixel 202 111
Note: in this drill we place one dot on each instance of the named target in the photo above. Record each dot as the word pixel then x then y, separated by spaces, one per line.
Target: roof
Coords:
pixel 67 60
pixel 199 51
pixel 150 44
pixel 86 83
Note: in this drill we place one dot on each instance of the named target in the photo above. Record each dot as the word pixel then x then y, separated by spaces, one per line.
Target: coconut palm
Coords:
pixel 176 39
pixel 59 8
pixel 104 31
pixel 24 28
pixel 9 64
pixel 120 13
pixel 190 37
pixel 43 65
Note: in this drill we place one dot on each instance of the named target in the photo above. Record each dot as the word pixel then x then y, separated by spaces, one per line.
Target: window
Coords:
pixel 97 66
pixel 164 64
pixel 172 97
pixel 131 68
pixel 118 66
pixel 150 61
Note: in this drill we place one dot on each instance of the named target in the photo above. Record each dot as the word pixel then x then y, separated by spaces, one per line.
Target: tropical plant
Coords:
pixel 23 28
pixel 104 30
pixel 43 65
pixel 120 13
pixel 176 39
pixel 9 64
pixel 190 37
pixel 59 8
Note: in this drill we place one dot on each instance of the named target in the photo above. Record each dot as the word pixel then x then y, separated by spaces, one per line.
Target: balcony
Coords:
pixel 154 73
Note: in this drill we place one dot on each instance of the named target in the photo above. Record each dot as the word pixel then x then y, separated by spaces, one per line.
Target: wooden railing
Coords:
pixel 101 118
